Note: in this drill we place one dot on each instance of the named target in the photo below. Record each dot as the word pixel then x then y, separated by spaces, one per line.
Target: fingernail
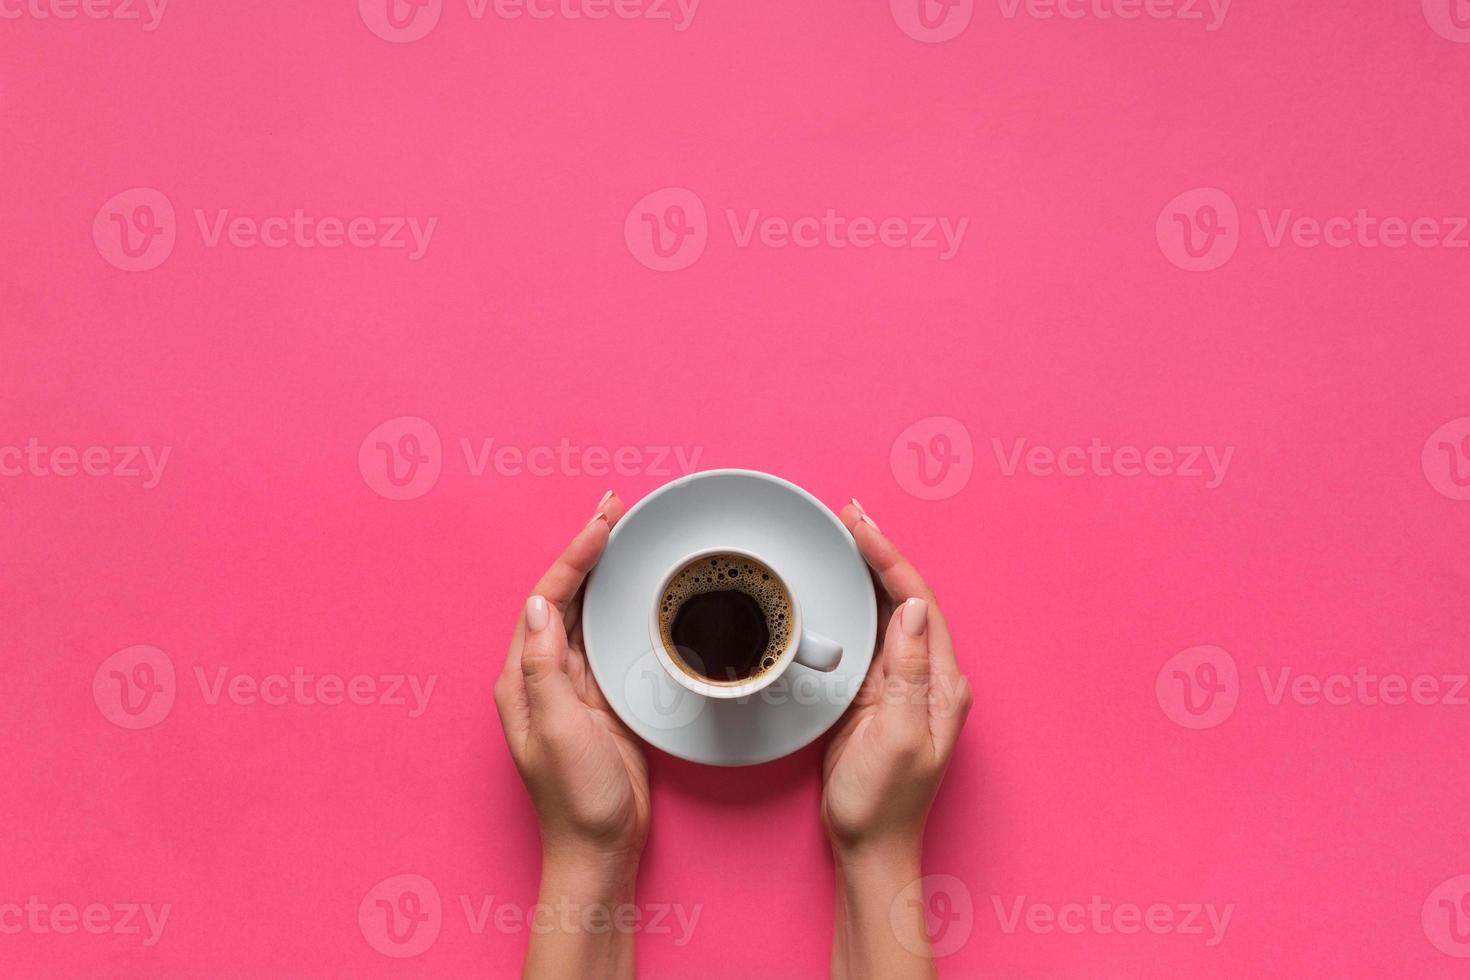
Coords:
pixel 537 615
pixel 915 617
pixel 863 516
pixel 601 504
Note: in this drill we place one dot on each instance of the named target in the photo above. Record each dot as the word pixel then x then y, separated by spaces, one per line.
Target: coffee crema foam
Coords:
pixel 715 573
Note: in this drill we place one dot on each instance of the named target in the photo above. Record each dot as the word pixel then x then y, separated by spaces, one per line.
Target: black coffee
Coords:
pixel 726 618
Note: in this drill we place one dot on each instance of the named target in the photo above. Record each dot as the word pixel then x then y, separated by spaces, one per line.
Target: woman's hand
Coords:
pixel 884 765
pixel 583 768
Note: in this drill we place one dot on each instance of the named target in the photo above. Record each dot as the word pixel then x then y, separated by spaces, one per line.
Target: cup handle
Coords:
pixel 818 652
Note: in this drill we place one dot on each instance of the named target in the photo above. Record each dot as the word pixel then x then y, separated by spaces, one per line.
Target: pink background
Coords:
pixel 529 320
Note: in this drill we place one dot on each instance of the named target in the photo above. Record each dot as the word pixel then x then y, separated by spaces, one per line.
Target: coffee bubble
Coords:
pixel 726 572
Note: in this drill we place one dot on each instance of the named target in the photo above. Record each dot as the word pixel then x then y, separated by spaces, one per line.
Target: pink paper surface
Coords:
pixel 1180 675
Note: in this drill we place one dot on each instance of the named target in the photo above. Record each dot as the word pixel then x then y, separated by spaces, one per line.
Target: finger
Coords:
pixel 565 576
pixel 543 661
pixel 510 687
pixel 510 694
pixel 906 668
pixel 852 515
pixel 898 578
pixel 613 507
pixel 949 706
pixel 949 693
pixel 870 691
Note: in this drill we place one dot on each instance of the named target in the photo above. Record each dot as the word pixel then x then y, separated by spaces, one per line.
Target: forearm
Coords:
pixel 876 934
pixel 585 918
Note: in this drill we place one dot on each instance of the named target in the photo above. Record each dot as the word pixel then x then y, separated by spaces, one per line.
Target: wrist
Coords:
pixel 881 857
pixel 878 931
pixel 589 867
pixel 585 916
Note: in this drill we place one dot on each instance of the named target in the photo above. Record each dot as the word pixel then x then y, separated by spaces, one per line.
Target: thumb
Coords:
pixel 544 658
pixel 906 665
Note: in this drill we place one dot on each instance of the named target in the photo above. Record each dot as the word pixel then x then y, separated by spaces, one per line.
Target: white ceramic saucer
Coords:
pixel 772 518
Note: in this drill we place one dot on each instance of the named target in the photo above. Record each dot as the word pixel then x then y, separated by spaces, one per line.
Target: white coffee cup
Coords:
pixel 811 650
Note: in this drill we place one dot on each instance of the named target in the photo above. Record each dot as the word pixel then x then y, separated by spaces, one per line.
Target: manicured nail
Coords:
pixel 915 617
pixel 863 516
pixel 537 615
pixel 601 504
